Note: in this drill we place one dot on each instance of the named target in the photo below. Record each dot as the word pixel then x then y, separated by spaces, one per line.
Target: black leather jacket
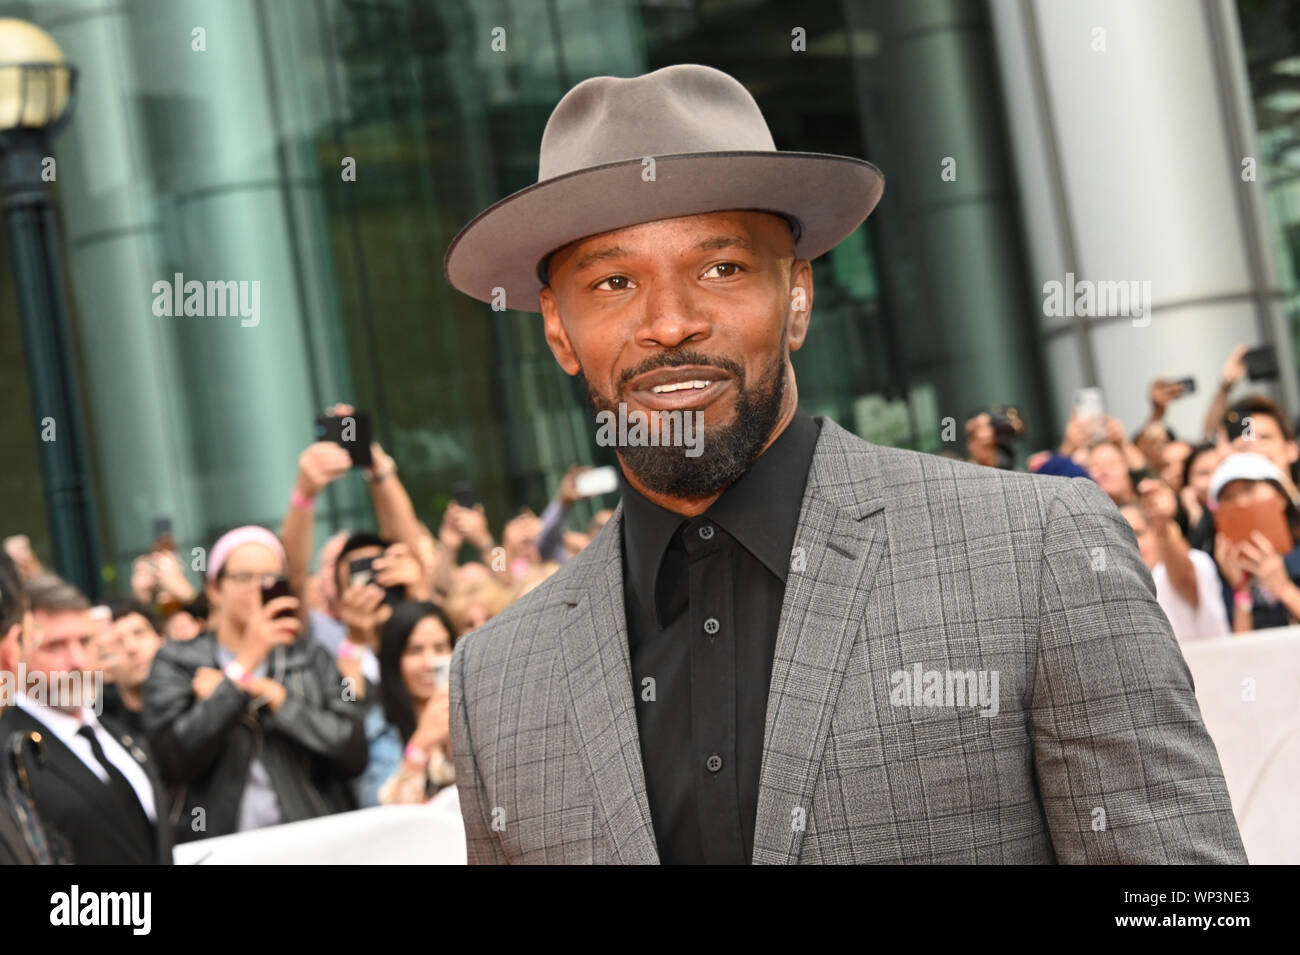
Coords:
pixel 310 748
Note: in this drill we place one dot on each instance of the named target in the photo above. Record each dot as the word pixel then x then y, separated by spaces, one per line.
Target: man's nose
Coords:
pixel 76 657
pixel 672 315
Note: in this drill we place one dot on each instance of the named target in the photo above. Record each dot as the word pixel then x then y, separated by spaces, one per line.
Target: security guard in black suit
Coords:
pixel 101 823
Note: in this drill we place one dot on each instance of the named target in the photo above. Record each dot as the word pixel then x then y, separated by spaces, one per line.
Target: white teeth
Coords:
pixel 679 385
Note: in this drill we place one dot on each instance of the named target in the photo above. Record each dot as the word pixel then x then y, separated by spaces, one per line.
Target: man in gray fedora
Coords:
pixel 792 645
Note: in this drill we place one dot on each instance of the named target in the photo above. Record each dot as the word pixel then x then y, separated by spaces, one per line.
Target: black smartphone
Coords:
pixel 1189 385
pixel 362 571
pixel 162 534
pixel 278 588
pixel 350 432
pixel 1261 363
pixel 463 494
pixel 1138 476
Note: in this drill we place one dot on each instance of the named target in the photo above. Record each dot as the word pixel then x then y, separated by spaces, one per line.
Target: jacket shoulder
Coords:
pixel 935 482
pixel 14 719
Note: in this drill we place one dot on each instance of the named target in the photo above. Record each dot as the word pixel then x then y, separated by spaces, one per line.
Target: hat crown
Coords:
pixel 675 110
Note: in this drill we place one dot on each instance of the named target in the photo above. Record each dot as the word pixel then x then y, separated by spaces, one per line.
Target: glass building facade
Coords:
pixel 328 151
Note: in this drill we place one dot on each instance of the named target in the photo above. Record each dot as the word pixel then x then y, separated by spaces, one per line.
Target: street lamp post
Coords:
pixel 36 88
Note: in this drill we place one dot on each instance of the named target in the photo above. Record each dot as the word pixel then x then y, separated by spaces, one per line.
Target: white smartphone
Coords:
pixel 596 481
pixel 1089 406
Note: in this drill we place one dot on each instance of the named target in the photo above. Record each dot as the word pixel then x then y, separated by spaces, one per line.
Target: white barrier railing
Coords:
pixel 1248 688
pixel 394 835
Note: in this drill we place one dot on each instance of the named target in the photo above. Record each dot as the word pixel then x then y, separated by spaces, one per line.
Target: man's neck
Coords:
pixel 132 699
pixel 693 506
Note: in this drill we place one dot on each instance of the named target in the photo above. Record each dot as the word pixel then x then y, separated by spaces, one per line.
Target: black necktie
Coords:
pixel 120 785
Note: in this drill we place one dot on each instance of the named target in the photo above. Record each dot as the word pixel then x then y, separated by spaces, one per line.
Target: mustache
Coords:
pixel 675 359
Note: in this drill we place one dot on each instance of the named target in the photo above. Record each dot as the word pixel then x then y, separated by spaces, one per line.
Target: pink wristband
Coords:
pixel 299 501
pixel 348 650
pixel 416 755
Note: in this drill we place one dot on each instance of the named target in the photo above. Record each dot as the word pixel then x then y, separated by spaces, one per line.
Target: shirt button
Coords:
pixel 714 763
pixel 711 626
pixel 706 532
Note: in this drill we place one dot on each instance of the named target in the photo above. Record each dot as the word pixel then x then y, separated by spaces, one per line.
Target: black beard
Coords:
pixel 727 450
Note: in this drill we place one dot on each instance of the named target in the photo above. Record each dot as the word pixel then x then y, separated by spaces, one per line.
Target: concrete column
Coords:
pixel 1130 122
pixel 199 162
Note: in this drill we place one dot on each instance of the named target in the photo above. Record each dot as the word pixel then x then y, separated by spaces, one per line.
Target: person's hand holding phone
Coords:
pixel 1234 369
pixel 1259 559
pixel 320 465
pixel 144 580
pixel 472 522
pixel 19 549
pixel 433 732
pixel 363 611
pixel 1078 433
pixel 1227 557
pixel 449 532
pixel 1161 392
pixel 267 630
pixel 398 567
pixel 382 464
pixel 568 492
pixel 170 577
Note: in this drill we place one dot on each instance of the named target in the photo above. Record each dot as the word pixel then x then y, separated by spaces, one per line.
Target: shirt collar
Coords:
pixel 760 510
pixel 62 724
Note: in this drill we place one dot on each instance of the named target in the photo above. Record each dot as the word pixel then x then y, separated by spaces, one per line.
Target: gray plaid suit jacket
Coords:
pixel 1096 754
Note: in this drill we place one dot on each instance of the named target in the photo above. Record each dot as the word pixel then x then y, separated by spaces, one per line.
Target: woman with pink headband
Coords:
pixel 253 725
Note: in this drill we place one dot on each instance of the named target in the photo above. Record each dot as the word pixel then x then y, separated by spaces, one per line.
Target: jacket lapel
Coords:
pixel 82 784
pixel 161 825
pixel 841 533
pixel 596 667
pixel 838 546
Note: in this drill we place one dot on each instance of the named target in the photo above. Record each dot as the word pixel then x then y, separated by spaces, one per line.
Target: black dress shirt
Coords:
pixel 703 600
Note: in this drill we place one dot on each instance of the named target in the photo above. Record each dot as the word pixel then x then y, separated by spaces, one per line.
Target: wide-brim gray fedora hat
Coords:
pixel 712 152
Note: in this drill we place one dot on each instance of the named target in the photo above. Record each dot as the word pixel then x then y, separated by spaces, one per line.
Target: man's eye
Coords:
pixel 616 283
pixel 728 269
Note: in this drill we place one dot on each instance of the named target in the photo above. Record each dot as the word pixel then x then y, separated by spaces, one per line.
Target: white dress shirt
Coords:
pixel 65 725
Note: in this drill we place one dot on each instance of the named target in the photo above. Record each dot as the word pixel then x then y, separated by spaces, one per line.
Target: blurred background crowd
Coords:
pixel 1216 512
pixel 271 677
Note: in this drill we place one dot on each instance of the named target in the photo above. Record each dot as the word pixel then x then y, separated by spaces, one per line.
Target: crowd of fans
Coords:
pixel 273 693
pixel 1216 515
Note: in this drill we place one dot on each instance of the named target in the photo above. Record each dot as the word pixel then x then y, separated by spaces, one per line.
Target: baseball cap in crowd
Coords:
pixel 1244 466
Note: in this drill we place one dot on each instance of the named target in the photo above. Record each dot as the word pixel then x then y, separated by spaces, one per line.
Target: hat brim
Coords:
pixel 501 248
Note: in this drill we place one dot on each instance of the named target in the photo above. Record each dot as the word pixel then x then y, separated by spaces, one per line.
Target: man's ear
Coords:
pixel 556 337
pixel 801 300
pixel 1292 451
